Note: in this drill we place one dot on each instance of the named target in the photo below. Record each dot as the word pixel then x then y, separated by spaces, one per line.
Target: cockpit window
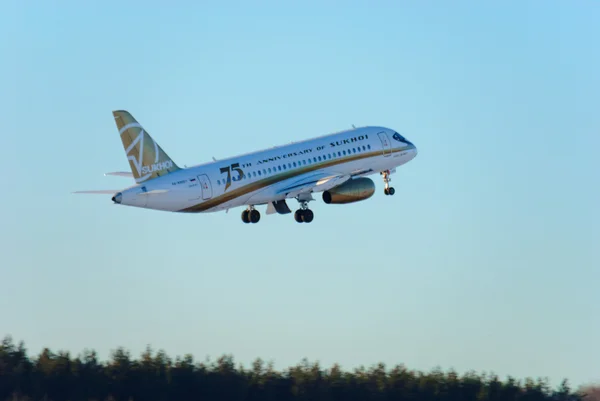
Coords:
pixel 399 137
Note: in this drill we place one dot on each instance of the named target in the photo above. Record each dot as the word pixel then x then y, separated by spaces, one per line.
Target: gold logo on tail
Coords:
pixel 147 160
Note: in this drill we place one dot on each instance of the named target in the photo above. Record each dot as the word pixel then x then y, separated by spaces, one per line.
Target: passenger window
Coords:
pixel 289 165
pixel 254 173
pixel 319 158
pixel 368 146
pixel 284 166
pixel 314 159
pixel 344 153
pixel 294 164
pixel 364 148
pixel 304 162
pixel 258 172
pixel 269 170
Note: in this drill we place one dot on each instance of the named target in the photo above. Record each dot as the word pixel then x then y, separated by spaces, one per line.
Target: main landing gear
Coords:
pixel 386 180
pixel 250 215
pixel 304 214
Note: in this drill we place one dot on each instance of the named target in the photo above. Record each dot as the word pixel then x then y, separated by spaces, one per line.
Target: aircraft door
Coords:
pixel 385 142
pixel 206 187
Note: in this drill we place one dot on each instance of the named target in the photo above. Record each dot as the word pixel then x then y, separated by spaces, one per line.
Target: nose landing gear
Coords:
pixel 386 180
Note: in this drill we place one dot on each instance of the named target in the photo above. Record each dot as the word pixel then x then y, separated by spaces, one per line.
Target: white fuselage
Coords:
pixel 274 174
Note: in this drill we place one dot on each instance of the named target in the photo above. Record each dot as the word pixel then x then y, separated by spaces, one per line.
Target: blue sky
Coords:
pixel 487 258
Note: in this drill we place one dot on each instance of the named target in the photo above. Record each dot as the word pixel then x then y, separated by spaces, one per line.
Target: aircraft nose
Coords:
pixel 413 151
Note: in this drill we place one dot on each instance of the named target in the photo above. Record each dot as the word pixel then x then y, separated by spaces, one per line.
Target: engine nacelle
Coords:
pixel 351 191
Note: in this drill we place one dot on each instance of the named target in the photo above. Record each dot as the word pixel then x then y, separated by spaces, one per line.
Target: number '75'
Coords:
pixel 234 167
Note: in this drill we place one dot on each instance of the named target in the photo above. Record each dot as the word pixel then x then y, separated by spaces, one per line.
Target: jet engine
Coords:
pixel 351 191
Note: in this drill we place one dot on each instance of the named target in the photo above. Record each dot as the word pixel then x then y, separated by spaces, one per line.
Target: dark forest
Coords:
pixel 154 376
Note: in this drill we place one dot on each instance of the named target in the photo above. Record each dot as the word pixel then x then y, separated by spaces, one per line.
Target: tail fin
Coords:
pixel 146 159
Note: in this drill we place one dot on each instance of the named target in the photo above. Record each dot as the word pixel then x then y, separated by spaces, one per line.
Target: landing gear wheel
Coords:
pixel 304 214
pixel 308 216
pixel 386 180
pixel 254 216
pixel 246 216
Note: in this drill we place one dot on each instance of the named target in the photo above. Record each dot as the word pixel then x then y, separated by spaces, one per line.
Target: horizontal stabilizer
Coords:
pixel 121 174
pixel 100 191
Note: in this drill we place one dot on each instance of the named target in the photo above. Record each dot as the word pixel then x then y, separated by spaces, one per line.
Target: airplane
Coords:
pixel 336 165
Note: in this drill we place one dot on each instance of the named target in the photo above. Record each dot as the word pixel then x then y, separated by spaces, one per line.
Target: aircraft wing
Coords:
pixel 292 187
pixel 309 183
pixel 317 182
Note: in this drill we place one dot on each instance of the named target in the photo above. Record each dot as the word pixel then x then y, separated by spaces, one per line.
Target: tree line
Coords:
pixel 154 376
